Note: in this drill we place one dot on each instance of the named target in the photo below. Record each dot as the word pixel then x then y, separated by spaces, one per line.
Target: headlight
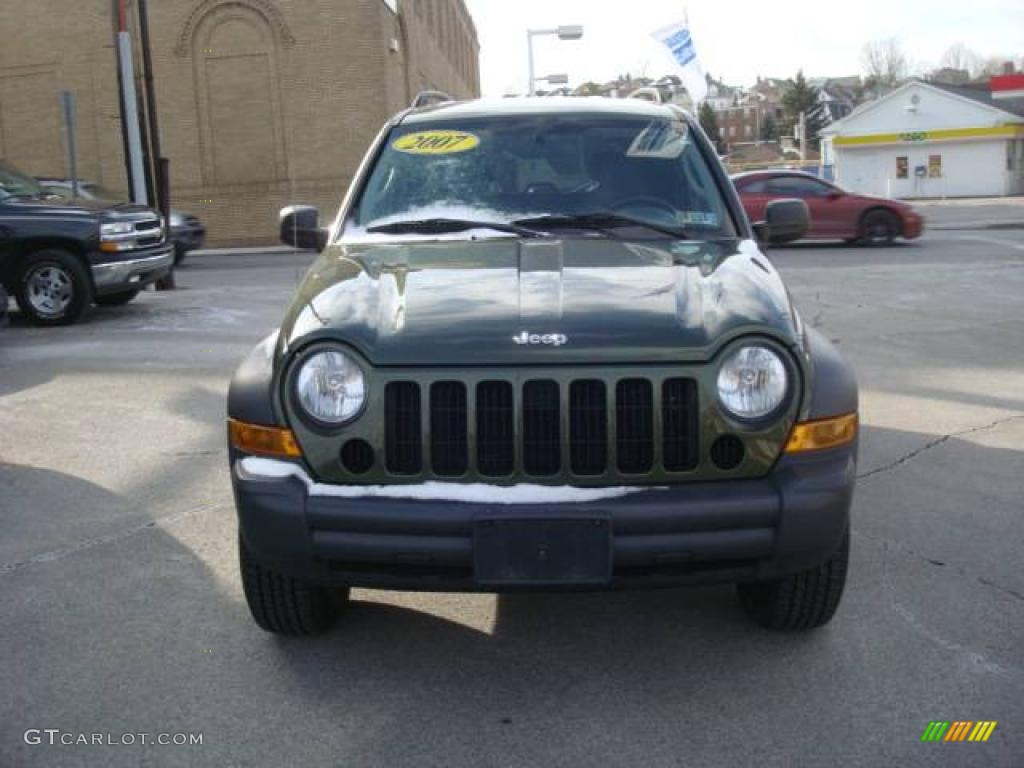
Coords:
pixel 177 220
pixel 330 387
pixel 116 229
pixel 752 382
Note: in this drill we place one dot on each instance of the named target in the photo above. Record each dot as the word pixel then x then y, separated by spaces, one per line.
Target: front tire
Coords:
pixel 879 228
pixel 804 600
pixel 53 288
pixel 287 606
pixel 117 299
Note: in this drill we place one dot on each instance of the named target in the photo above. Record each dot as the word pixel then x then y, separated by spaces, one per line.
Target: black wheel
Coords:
pixel 179 253
pixel 117 299
pixel 805 600
pixel 287 606
pixel 53 288
pixel 879 228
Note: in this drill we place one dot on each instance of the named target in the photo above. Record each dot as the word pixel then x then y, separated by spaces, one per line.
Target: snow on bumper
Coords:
pixel 422 536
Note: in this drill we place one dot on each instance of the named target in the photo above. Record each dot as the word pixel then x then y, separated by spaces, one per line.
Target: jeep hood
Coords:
pixel 583 300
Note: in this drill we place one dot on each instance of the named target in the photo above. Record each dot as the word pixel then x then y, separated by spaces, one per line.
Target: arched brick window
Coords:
pixel 235 46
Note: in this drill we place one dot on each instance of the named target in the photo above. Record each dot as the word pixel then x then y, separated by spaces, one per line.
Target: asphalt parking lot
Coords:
pixel 122 610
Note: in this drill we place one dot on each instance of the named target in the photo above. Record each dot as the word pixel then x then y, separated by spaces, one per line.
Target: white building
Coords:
pixel 931 140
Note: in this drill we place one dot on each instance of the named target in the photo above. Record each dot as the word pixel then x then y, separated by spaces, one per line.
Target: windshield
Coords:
pixel 518 168
pixel 14 183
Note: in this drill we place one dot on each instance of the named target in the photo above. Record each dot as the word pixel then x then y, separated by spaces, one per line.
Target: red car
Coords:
pixel 835 213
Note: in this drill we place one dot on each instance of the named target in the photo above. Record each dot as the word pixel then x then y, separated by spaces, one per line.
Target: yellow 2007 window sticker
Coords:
pixel 436 142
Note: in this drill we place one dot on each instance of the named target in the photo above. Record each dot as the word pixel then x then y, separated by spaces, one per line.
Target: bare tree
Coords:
pixel 884 63
pixel 959 56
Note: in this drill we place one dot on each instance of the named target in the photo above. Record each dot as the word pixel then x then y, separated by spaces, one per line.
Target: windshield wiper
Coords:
pixel 599 220
pixel 442 226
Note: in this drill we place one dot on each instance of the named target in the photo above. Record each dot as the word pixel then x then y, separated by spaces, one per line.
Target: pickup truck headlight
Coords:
pixel 330 387
pixel 752 382
pixel 116 229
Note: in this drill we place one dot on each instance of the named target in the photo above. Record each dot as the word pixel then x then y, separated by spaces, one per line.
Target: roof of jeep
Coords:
pixel 514 107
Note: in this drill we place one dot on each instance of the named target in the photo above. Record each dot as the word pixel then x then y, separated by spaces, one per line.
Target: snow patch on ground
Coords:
pixel 476 493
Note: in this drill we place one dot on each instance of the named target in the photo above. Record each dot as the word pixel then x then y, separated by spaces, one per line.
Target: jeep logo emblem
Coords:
pixel 526 339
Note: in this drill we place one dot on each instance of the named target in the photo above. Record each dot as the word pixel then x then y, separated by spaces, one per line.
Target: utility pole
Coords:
pixel 135 168
pixel 160 166
pixel 803 137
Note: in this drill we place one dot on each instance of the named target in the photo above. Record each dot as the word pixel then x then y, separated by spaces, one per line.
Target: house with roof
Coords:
pixel 928 139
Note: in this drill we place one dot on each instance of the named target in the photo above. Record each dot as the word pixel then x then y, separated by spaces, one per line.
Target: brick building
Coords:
pixel 262 102
pixel 738 124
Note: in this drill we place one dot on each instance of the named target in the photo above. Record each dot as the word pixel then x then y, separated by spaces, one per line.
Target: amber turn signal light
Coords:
pixel 825 433
pixel 263 441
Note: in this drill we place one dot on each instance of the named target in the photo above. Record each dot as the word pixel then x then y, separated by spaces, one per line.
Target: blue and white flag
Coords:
pixel 677 38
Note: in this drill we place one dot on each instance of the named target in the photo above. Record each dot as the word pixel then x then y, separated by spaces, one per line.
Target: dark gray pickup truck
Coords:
pixel 58 259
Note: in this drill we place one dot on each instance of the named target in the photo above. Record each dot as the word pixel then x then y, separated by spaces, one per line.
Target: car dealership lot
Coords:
pixel 123 611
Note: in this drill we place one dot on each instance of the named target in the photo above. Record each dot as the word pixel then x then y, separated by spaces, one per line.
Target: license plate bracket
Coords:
pixel 542 551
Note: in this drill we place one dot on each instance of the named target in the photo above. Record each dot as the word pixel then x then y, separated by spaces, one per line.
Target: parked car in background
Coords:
pixel 835 213
pixel 58 257
pixel 187 231
pixel 3 306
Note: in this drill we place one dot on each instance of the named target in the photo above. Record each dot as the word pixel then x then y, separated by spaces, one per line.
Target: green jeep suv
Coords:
pixel 542 349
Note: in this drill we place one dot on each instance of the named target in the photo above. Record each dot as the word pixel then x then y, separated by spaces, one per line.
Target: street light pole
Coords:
pixel 529 48
pixel 565 32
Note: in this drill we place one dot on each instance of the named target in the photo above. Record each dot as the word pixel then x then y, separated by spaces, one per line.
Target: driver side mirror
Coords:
pixel 785 221
pixel 300 228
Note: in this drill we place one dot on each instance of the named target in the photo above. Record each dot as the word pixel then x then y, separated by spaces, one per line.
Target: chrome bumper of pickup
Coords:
pixel 137 272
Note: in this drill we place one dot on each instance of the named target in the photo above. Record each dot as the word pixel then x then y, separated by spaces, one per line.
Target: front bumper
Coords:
pixel 744 530
pixel 137 270
pixel 913 226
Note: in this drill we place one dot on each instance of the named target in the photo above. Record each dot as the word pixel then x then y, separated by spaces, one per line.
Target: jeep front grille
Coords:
pixel 586 427
pixel 402 438
pixel 449 422
pixel 495 428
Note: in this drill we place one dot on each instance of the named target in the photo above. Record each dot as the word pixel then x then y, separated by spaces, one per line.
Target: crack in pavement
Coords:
pixel 934 444
pixel 952 646
pixel 895 544
pixel 87 544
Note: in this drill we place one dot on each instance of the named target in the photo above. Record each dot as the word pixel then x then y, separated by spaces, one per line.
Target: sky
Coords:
pixel 736 41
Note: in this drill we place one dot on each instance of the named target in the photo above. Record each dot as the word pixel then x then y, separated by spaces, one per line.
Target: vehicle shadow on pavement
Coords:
pixel 151 614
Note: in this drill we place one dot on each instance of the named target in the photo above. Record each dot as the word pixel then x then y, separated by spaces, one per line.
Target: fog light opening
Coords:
pixel 727 452
pixel 357 457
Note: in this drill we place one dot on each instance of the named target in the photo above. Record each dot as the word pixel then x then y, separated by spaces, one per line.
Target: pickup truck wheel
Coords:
pixel 287 606
pixel 117 299
pixel 53 288
pixel 805 600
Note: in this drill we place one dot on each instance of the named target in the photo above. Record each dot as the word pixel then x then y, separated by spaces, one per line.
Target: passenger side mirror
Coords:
pixel 785 221
pixel 300 228
pixel 834 195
